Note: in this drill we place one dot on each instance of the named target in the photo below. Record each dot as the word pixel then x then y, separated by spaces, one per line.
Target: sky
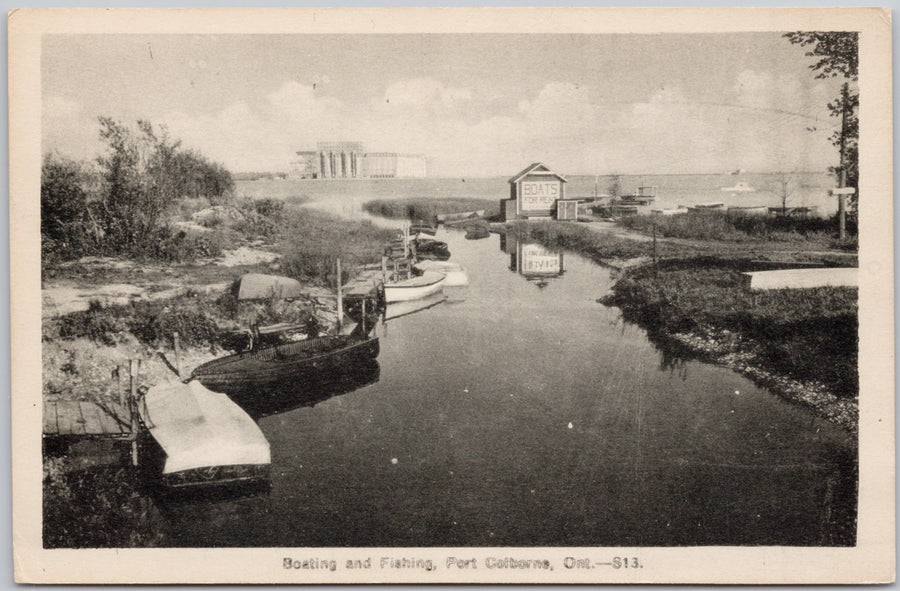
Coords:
pixel 473 105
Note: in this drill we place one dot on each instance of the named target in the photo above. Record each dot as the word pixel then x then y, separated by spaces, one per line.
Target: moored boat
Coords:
pixel 454 273
pixel 706 207
pixel 413 288
pixel 308 360
pixel 453 217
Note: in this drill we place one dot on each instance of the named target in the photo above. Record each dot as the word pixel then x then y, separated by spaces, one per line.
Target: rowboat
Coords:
pixel 454 217
pixel 428 248
pixel 304 361
pixel 706 207
pixel 413 288
pixel 401 309
pixel 206 437
pixel 454 273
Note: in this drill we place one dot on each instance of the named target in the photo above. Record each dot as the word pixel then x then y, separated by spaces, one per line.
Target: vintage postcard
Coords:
pixel 481 295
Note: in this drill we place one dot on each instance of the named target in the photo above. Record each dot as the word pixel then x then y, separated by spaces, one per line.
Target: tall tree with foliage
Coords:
pixel 837 55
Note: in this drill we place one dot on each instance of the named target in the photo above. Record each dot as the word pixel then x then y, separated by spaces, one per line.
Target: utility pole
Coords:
pixel 842 213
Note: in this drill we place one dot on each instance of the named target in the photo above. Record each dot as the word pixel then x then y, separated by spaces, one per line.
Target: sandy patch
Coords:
pixel 246 256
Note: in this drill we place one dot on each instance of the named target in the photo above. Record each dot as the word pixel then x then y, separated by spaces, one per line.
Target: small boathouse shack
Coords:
pixel 533 193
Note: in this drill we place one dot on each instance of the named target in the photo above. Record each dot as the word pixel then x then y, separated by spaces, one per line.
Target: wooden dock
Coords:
pixel 364 285
pixel 87 419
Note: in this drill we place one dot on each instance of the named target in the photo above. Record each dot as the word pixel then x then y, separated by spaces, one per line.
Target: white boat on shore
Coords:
pixel 672 211
pixel 413 288
pixel 454 273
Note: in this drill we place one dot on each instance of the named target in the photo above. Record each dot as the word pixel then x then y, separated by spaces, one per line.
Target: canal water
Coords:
pixel 521 412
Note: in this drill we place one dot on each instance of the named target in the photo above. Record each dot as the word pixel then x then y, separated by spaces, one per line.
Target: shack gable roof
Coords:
pixel 536 168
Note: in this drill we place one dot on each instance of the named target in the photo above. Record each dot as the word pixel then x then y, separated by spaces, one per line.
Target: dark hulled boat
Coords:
pixel 305 361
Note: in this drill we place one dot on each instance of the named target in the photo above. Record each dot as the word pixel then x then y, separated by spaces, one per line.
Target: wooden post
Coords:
pixel 655 268
pixel 177 342
pixel 405 241
pixel 364 315
pixel 842 216
pixel 340 298
pixel 132 408
pixel 120 374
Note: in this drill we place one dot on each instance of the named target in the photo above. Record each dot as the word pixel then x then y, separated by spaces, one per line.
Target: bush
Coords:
pixel 101 507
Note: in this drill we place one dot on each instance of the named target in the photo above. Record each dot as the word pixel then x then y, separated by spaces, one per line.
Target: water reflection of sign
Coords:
pixel 538 194
pixel 537 260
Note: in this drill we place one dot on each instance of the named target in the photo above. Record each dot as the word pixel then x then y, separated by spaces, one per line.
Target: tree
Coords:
pixel 784 186
pixel 837 55
pixel 63 206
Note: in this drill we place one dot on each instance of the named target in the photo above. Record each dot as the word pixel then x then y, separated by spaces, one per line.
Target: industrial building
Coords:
pixel 349 160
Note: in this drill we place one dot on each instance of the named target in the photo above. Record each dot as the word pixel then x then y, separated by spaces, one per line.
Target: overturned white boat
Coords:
pixel 207 438
pixel 454 273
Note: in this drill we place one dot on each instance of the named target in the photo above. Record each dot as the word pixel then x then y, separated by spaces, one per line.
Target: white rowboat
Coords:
pixel 428 283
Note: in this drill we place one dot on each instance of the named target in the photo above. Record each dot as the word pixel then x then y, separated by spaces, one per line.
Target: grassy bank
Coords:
pixel 426 209
pixel 597 246
pixel 727 226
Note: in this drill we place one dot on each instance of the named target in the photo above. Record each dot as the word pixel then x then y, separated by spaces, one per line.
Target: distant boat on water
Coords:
pixel 739 188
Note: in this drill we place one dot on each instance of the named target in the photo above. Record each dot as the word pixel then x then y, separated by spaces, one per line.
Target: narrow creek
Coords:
pixel 521 412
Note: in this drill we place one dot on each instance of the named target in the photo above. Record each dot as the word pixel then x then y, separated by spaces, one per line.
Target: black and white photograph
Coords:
pixel 506 295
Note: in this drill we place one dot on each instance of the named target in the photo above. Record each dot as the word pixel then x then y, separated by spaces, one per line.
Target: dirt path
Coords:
pixel 110 281
pixel 767 250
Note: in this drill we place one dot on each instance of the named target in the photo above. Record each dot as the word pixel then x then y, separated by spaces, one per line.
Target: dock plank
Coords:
pixel 50 427
pixel 64 417
pixel 109 424
pixel 77 419
pixel 91 414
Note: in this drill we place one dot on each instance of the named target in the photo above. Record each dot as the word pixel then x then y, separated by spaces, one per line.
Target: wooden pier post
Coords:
pixel 120 376
pixel 177 342
pixel 340 298
pixel 132 408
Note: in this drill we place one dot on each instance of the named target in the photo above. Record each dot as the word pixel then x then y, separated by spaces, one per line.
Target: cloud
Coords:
pixel 425 94
pixel 465 132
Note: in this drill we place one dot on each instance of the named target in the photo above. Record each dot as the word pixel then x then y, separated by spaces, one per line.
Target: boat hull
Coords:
pixel 454 275
pixel 428 283
pixel 307 361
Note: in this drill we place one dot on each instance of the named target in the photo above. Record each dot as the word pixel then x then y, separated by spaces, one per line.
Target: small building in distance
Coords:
pixel 533 193
pixel 349 160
